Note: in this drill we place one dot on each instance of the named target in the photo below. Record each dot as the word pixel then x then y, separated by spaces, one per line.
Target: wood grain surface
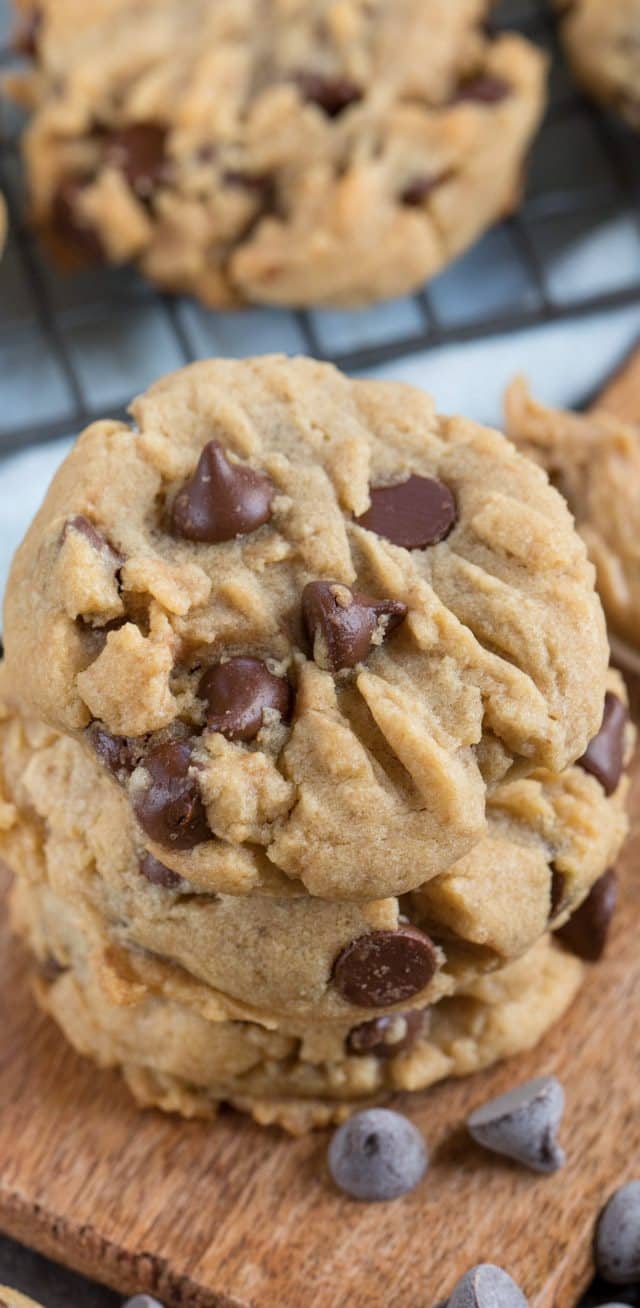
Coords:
pixel 227 1214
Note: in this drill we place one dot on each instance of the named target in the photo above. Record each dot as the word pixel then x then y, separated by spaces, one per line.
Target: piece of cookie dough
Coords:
pixel 306 624
pixel 290 152
pixel 594 460
pixel 164 1031
pixel 279 955
pixel 601 38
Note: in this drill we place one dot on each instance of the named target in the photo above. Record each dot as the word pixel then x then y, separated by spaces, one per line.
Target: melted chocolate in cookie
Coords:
pixel 414 513
pixel 221 500
pixel 237 693
pixel 170 808
pixel 604 755
pixel 585 934
pixel 385 967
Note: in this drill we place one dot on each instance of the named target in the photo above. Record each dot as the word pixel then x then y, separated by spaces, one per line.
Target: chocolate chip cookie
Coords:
pixel 602 41
pixel 289 152
pixel 178 1053
pixel 594 460
pixel 277 955
pixel 306 625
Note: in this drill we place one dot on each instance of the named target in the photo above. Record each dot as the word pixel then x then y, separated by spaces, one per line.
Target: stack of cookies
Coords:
pixel 297 674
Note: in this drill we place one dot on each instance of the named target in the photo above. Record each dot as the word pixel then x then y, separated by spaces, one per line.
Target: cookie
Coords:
pixel 299 617
pixel 332 152
pixel 276 954
pixel 13 1299
pixel 601 41
pixel 594 459
pixel 177 1053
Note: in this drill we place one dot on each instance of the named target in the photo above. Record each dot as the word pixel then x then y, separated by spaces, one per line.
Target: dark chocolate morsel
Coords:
pixel 414 513
pixel 139 151
pixel 604 755
pixel 120 754
pixel 384 1037
pixel 523 1123
pixel 483 89
pixel 222 499
pixel 331 94
pixel 170 807
pixel 385 967
pixel 158 874
pixel 236 694
pixel 342 625
pixel 585 934
pixel 420 187
pixel 95 538
pixel 69 227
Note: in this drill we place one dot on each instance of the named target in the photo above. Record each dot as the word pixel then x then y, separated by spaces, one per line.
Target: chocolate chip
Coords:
pixel 604 755
pixel 483 89
pixel 414 513
pixel 237 693
pixel 377 1155
pixel 332 94
pixel 26 41
pixel 69 227
pixel 556 891
pixel 384 1037
pixel 342 625
pixel 49 969
pixel 617 1242
pixel 222 499
pixel 139 151
pixel 487 1286
pixel 585 934
pixel 170 808
pixel 158 874
pixel 385 967
pixel 522 1124
pixel 120 754
pixel 417 190
pixel 95 538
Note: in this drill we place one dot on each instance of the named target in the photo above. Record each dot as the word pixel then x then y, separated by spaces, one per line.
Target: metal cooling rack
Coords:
pixel 73 348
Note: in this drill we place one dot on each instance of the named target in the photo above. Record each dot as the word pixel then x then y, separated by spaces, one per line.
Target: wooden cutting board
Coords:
pixel 226 1215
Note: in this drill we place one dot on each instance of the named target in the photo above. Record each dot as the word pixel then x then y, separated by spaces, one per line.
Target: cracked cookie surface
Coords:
pixel 279 955
pixel 602 41
pixel 288 152
pixel 177 1052
pixel 454 639
pixel 594 460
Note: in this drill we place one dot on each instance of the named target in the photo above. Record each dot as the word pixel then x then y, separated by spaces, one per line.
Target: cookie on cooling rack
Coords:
pixel 601 41
pixel 289 153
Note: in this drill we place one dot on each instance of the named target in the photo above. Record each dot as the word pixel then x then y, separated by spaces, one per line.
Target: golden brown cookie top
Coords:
pixel 313 608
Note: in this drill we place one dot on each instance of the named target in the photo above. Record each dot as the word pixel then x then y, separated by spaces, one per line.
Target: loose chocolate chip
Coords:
pixel 332 94
pixel 237 693
pixel 142 1301
pixel 604 755
pixel 120 754
pixel 385 967
pixel 384 1037
pixel 222 499
pixel 414 513
pixel 158 874
pixel 487 1286
pixel 69 227
pixel 483 89
pixel 342 624
pixel 170 808
pixel 617 1242
pixel 377 1155
pixel 139 151
pixel 522 1124
pixel 585 934
pixel 417 190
